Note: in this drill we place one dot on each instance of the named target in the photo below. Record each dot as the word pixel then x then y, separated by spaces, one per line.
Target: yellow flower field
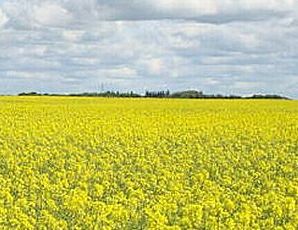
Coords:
pixel 94 163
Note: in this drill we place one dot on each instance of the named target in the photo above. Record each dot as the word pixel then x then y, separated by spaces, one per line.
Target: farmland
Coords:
pixel 100 163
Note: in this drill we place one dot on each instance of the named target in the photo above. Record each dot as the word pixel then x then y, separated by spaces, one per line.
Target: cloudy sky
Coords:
pixel 218 46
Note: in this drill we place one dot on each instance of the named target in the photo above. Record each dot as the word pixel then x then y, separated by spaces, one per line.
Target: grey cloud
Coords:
pixel 32 14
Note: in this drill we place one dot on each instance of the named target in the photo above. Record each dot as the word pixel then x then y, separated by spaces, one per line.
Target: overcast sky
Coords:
pixel 218 46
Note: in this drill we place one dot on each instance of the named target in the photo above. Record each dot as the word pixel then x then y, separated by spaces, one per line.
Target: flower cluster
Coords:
pixel 95 163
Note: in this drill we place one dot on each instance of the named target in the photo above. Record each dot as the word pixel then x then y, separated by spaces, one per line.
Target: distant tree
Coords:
pixel 168 93
pixel 160 94
pixel 29 94
pixel 188 94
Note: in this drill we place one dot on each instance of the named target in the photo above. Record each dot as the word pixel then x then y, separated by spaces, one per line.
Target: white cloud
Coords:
pixel 51 14
pixel 73 35
pixel 3 18
pixel 27 75
pixel 191 6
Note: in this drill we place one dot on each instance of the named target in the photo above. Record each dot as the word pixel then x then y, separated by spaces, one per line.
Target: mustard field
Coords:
pixel 94 163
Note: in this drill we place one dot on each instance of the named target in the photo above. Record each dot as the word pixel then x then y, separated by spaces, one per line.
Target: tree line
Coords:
pixel 194 94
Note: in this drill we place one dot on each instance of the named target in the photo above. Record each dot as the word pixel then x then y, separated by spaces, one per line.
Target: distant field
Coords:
pixel 95 163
